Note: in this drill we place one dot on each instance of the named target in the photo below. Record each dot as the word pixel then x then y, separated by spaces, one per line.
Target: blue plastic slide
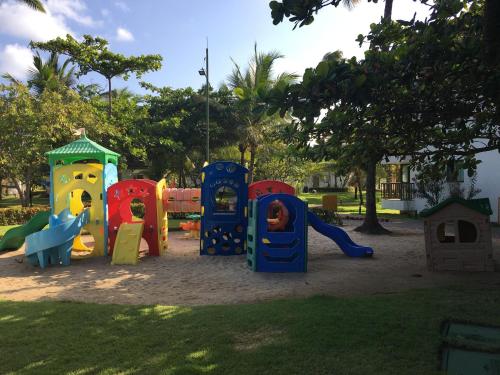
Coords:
pixel 341 238
pixel 53 245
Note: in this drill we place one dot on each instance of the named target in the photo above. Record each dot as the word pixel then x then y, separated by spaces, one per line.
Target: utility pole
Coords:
pixel 208 107
pixel 204 72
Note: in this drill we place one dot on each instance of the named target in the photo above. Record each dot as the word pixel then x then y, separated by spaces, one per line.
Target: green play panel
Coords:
pixel 470 349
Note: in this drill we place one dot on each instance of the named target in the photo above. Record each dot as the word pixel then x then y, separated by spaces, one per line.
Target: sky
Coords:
pixel 178 31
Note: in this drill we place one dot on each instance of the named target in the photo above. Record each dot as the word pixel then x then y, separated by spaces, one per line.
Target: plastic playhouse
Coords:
pixel 458 235
pixel 277 231
pixel 265 220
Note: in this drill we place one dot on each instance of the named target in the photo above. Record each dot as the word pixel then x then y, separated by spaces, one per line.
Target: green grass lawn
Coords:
pixel 346 203
pixel 12 202
pixel 5 228
pixel 384 334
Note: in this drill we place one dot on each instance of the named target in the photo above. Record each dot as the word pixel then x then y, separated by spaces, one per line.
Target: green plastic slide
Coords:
pixel 14 238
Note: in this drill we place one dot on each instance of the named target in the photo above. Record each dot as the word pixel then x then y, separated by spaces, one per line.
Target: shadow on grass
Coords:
pixel 322 335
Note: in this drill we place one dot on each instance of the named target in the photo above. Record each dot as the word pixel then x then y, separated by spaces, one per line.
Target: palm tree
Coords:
pixel 251 88
pixel 49 74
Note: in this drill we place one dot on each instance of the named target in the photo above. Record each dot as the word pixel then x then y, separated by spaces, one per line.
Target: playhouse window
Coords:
pixel 467 231
pixel 86 199
pixel 446 232
pixel 226 200
pixel 138 209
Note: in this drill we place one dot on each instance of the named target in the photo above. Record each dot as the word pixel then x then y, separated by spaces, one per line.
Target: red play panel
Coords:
pixel 269 187
pixel 120 195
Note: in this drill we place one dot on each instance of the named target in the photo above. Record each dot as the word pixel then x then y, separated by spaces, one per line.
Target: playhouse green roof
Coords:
pixel 81 149
pixel 481 205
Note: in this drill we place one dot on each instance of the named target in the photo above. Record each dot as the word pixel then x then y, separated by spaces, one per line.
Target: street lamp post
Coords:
pixel 204 72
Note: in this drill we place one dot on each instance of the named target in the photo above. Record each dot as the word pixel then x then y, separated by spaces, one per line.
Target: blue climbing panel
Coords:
pixel 224 199
pixel 277 251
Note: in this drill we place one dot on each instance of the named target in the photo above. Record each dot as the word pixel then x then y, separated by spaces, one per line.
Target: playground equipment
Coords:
pixel 78 167
pixel 277 231
pixel 182 200
pixel 277 234
pixel 155 221
pixel 340 237
pixel 264 187
pixel 224 199
pixel 128 241
pixel 85 190
pixel 458 235
pixel 53 245
pixel 14 238
pixel 193 226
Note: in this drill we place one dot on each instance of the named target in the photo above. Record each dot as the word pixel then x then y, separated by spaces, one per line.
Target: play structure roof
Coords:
pixel 481 205
pixel 82 149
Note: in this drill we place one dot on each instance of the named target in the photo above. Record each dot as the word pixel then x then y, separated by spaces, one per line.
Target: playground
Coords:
pixel 182 277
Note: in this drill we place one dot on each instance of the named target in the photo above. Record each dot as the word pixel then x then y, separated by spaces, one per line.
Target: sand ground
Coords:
pixel 182 277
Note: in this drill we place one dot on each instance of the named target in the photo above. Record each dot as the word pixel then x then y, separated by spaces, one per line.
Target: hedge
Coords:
pixel 16 216
pixel 325 190
pixel 329 217
pixel 138 211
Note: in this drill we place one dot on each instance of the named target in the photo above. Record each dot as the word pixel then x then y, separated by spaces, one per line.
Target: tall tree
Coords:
pixel 176 124
pixel 251 88
pixel 93 55
pixel 424 90
pixel 32 125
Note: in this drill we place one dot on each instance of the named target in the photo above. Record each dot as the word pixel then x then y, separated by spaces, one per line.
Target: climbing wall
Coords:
pixel 224 198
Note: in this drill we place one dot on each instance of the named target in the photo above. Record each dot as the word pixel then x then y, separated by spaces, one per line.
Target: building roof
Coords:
pixel 82 149
pixel 481 205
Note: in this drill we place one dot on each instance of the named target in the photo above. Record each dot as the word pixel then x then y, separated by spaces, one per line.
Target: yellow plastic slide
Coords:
pixel 127 243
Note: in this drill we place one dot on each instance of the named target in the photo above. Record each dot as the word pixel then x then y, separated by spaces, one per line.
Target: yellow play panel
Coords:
pixel 128 242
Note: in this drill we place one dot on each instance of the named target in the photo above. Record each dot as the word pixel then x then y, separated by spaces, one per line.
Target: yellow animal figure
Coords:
pixel 70 182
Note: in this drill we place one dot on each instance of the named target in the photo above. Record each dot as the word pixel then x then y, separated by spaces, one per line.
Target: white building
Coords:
pixel 398 191
pixel 323 180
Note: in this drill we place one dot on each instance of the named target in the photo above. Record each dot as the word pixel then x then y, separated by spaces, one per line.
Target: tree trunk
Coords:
pixel 1 191
pixel 361 202
pixel 371 224
pixel 242 148
pixel 181 176
pixel 20 192
pixel 253 151
pixel 355 191
pixel 27 192
pixel 184 180
pixel 109 98
pixel 388 10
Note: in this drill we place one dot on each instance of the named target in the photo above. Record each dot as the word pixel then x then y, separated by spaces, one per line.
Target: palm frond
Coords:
pixel 9 77
pixel 34 4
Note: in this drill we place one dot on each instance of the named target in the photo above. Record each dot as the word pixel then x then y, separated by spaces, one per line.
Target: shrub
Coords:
pixel 16 216
pixel 325 190
pixel 329 217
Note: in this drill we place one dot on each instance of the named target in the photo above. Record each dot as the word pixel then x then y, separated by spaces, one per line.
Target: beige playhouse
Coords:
pixel 458 235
